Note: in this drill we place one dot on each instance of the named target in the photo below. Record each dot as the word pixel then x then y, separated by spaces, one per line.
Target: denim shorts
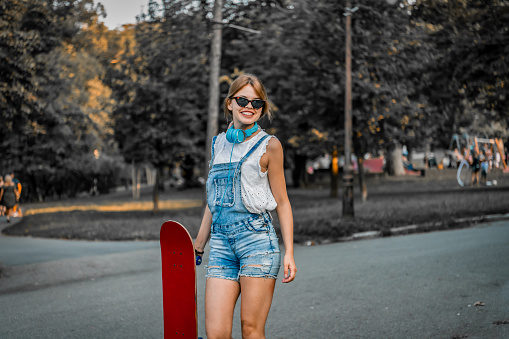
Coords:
pixel 248 248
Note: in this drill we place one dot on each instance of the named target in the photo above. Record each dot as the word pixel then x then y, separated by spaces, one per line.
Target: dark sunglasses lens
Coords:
pixel 242 102
pixel 257 104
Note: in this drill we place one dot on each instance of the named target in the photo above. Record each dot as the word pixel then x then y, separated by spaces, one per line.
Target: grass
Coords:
pixel 317 216
pixel 395 204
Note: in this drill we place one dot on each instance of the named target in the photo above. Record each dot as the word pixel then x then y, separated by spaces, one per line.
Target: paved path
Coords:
pixel 416 286
pixel 16 251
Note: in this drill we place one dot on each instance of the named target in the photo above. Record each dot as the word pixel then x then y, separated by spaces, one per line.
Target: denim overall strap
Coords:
pixel 253 149
pixel 238 167
pixel 228 209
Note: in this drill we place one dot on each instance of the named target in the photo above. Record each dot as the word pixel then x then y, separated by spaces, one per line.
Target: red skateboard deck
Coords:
pixel 179 282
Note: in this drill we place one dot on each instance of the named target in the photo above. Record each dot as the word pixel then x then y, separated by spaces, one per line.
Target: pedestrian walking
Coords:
pixel 245 182
pixel 16 210
pixel 2 207
pixel 8 196
pixel 484 169
pixel 476 166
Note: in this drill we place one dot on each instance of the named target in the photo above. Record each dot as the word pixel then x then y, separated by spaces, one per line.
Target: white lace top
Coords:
pixel 254 184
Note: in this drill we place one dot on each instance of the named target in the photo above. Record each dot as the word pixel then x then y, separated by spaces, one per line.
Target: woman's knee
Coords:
pixel 251 329
pixel 218 333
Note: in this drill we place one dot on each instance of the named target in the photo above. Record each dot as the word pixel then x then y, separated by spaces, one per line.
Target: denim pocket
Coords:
pixel 225 193
pixel 258 225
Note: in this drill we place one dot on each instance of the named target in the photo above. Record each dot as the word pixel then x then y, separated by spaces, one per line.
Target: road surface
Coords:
pixel 451 284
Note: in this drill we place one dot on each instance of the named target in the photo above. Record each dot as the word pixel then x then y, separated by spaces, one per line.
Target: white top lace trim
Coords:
pixel 254 184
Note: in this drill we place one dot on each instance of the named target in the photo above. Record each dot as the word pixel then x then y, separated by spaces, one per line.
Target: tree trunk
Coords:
pixel 299 170
pixel 394 161
pixel 138 183
pixel 155 193
pixel 133 178
pixel 150 175
pixel 362 182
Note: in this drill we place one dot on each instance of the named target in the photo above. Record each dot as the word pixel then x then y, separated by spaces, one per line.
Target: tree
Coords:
pixel 302 60
pixel 161 116
pixel 468 78
pixel 296 56
pixel 43 91
pixel 28 31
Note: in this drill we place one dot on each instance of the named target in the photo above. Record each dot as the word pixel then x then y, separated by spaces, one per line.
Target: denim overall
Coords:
pixel 242 243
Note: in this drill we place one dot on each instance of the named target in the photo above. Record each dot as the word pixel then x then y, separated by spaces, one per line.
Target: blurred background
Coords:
pixel 87 108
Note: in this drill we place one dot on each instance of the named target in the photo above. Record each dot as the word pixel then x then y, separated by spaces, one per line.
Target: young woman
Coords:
pixel 8 196
pixel 245 182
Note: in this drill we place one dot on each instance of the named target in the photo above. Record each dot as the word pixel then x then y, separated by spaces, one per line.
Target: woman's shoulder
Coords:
pixel 268 137
pixel 220 136
pixel 264 138
pixel 271 145
pixel 219 139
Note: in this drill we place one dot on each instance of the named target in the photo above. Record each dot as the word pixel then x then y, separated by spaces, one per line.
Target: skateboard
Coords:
pixel 179 282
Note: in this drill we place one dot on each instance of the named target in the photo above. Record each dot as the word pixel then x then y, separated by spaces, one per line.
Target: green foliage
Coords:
pixel 468 81
pixel 49 85
pixel 69 86
pixel 162 114
pixel 27 31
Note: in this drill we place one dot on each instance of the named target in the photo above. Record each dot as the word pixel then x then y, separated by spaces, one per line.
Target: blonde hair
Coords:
pixel 240 83
pixel 8 178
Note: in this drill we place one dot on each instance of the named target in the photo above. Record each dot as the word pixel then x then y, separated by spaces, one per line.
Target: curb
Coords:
pixel 409 229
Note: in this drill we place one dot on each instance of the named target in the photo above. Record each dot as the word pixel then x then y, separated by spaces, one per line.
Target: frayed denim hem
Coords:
pixel 266 276
pixel 225 278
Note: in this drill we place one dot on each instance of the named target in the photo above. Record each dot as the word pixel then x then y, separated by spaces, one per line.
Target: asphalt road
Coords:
pixel 415 286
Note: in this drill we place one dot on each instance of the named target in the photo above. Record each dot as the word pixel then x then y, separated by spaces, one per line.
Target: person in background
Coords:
pixel 485 165
pixel 476 166
pixel 8 196
pixel 2 207
pixel 17 210
pixel 16 182
pixel 488 154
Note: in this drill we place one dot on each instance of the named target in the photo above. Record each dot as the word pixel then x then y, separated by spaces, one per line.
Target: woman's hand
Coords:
pixel 289 268
pixel 203 235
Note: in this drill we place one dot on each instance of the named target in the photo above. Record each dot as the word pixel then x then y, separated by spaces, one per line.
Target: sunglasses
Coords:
pixel 243 102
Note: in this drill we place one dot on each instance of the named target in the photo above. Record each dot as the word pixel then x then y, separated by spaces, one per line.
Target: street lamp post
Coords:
pixel 215 65
pixel 348 210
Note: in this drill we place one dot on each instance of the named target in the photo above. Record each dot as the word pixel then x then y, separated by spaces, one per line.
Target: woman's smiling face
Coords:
pixel 245 117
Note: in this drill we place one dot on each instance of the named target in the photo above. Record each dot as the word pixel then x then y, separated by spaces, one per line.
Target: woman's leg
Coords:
pixel 8 213
pixel 220 298
pixel 256 298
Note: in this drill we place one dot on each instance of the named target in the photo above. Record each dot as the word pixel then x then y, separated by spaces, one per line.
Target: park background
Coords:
pixel 88 110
